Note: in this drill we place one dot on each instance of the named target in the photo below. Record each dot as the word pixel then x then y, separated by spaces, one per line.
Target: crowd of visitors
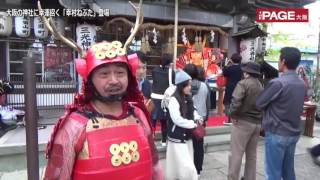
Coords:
pixel 117 92
pixel 251 108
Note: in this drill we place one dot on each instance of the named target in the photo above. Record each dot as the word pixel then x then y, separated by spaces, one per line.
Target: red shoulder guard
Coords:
pixel 145 112
pixel 70 109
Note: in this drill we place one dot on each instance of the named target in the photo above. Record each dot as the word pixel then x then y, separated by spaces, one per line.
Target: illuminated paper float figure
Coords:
pixel 208 58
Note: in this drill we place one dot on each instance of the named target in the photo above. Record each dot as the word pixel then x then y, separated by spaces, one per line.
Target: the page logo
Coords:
pixel 282 15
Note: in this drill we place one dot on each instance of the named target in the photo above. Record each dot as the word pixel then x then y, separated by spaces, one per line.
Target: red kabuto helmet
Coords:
pixel 105 53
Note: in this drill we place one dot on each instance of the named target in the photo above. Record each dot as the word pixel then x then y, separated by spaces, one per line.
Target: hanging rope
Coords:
pixel 165 27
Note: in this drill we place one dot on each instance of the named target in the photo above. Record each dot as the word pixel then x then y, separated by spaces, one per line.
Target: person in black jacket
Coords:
pixel 233 74
pixel 162 77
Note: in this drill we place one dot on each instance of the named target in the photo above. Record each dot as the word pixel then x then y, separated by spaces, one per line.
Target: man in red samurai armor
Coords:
pixel 106 132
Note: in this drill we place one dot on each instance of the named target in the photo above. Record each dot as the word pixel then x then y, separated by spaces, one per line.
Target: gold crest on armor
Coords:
pixel 124 153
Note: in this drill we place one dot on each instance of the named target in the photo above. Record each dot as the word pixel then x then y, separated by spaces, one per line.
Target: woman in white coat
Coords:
pixel 179 157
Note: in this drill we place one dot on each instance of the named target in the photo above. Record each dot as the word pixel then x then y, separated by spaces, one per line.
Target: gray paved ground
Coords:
pixel 216 163
pixel 216 166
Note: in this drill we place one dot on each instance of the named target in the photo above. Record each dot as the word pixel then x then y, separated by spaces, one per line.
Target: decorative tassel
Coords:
pixel 184 37
pixel 171 45
pixel 197 45
pixel 148 49
pixel 203 43
pixel 200 44
pixel 211 36
pixel 143 45
pixel 155 34
pixel 167 45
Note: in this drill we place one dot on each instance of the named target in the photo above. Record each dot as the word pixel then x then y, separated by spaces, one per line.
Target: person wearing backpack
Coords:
pixel 183 118
pixel 162 77
pixel 201 100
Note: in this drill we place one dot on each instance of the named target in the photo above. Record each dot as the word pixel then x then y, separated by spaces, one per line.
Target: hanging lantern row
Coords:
pixel 85 33
pixel 23 26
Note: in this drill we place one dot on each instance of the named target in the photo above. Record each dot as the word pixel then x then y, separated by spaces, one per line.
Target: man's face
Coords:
pixel 141 71
pixel 281 65
pixel 301 71
pixel 111 79
pixel 245 75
